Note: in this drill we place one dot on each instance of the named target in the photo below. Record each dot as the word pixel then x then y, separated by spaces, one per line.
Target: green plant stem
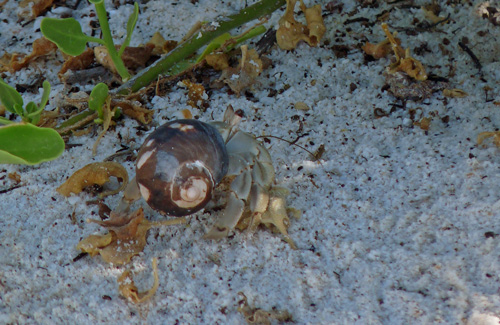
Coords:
pixel 207 33
pixel 5 121
pixel 108 41
pixel 76 121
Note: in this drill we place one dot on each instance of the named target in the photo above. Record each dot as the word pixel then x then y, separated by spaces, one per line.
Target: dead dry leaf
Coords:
pixel 15 62
pixel 133 57
pixel 129 290
pixel 103 58
pixel 137 56
pixel 218 61
pixel 160 45
pixel 30 9
pixel 95 174
pixel 79 62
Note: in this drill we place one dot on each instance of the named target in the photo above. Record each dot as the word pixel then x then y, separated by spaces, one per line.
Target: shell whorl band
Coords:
pixel 179 165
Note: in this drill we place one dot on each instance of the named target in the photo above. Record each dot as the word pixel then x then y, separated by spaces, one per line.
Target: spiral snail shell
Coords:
pixel 179 165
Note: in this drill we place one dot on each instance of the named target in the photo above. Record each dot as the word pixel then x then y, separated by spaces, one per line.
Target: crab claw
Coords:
pixel 277 215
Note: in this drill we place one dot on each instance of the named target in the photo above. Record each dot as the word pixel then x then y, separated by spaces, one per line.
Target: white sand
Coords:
pixel 394 218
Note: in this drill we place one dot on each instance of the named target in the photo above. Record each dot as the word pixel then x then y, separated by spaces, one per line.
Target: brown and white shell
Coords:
pixel 179 165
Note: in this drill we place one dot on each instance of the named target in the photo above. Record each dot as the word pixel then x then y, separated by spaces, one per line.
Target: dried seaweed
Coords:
pixel 95 174
pixel 291 32
pixel 379 50
pixel 125 239
pixel 404 61
pixel 129 290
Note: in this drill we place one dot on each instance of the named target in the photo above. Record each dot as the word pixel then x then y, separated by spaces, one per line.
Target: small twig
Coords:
pixel 266 42
pixel 440 21
pixel 119 153
pixel 395 2
pixel 299 137
pixel 422 29
pixel 9 189
pixel 356 20
pixel 80 256
pixel 474 58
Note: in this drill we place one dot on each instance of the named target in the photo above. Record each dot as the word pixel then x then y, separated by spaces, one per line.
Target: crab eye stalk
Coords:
pixel 179 165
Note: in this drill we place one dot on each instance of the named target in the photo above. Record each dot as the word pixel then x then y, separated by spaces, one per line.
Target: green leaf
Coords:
pixel 28 144
pixel 75 119
pixel 31 113
pixel 18 109
pixel 67 35
pixel 30 108
pixel 98 97
pixel 132 21
pixel 235 41
pixel 180 67
pixel 45 95
pixel 256 31
pixel 96 1
pixel 33 116
pixel 10 97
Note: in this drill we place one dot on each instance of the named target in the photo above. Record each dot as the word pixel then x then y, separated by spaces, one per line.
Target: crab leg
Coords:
pixel 229 218
pixel 130 195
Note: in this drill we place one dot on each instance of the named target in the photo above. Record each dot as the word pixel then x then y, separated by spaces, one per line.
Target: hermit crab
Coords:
pixel 181 163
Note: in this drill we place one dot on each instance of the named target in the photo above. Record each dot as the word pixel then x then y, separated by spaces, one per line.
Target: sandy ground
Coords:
pixel 399 224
